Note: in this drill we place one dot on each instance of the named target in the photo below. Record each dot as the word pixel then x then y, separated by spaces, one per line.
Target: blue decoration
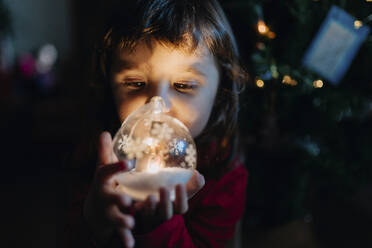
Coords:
pixel 335 45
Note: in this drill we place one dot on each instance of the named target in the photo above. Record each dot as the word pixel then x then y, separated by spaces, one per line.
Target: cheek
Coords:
pixel 126 105
pixel 201 119
pixel 194 113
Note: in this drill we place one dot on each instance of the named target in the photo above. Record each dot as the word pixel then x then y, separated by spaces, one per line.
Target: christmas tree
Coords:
pixel 306 137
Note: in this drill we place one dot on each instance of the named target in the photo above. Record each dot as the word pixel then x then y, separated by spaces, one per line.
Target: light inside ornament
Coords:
pixel 155 164
pixel 160 149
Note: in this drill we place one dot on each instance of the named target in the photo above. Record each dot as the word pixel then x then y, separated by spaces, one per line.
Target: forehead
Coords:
pixel 164 53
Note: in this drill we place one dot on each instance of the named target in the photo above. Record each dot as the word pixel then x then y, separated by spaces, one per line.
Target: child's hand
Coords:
pixel 151 213
pixel 103 206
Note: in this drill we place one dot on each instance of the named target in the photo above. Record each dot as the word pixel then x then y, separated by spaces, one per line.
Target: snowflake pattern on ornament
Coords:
pixel 177 147
pixel 190 156
pixel 123 142
pixel 135 148
pixel 161 131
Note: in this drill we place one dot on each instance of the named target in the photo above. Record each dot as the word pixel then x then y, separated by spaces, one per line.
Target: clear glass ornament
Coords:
pixel 158 147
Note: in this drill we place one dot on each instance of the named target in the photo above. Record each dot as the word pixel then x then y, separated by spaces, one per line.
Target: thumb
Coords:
pixel 105 172
pixel 195 184
pixel 105 149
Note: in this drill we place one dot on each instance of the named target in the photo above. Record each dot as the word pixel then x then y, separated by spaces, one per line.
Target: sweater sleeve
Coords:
pixel 211 219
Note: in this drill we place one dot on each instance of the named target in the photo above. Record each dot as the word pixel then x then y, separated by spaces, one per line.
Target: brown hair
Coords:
pixel 184 24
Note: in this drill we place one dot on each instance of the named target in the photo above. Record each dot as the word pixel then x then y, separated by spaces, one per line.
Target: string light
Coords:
pixel 288 80
pixel 271 35
pixel 262 28
pixel 318 83
pixel 260 83
pixel 358 24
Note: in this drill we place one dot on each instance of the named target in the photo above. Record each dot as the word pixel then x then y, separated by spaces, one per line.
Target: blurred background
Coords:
pixel 307 136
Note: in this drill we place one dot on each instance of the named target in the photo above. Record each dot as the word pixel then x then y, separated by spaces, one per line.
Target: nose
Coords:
pixel 162 89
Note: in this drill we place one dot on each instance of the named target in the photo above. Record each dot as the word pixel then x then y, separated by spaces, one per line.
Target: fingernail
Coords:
pixel 129 238
pixel 130 222
pixel 131 243
pixel 105 136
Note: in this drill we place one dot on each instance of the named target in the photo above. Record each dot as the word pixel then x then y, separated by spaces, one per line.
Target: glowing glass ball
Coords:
pixel 158 147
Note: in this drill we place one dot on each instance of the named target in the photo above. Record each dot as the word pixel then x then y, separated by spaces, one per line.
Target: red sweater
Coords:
pixel 210 221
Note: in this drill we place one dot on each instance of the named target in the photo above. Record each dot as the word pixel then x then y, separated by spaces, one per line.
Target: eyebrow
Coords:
pixel 122 64
pixel 195 68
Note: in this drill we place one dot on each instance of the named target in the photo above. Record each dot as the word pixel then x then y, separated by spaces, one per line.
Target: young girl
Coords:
pixel 185 52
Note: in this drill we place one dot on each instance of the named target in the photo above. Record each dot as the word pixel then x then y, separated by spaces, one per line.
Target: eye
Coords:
pixel 134 85
pixel 186 86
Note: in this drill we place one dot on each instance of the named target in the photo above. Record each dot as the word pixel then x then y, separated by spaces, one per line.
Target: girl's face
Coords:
pixel 187 82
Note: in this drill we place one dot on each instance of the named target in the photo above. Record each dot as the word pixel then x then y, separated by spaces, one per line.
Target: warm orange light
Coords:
pixel 155 164
pixel 288 80
pixel 260 83
pixel 358 24
pixel 318 83
pixel 262 28
pixel 271 35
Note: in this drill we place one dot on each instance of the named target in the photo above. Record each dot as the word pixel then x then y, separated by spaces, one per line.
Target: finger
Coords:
pixel 126 237
pixel 105 149
pixel 150 206
pixel 180 204
pixel 114 157
pixel 146 207
pixel 105 172
pixel 195 183
pixel 124 221
pixel 120 220
pixel 123 201
pixel 165 204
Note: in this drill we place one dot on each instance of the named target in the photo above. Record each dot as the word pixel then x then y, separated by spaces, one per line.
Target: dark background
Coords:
pixel 294 198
